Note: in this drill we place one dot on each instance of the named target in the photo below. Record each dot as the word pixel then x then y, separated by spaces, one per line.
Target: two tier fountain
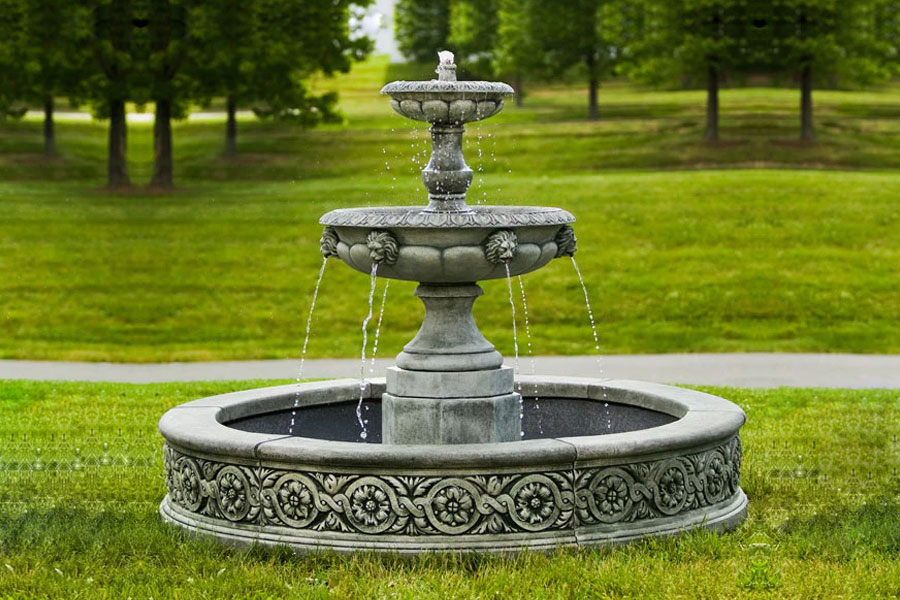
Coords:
pixel 460 461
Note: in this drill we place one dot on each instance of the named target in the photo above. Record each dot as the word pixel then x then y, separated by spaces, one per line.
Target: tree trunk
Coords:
pixel 712 103
pixel 162 145
pixel 807 131
pixel 116 166
pixel 49 132
pixel 593 84
pixel 231 127
pixel 520 92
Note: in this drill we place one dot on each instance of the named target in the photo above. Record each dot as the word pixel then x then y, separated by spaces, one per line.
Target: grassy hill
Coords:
pixel 683 248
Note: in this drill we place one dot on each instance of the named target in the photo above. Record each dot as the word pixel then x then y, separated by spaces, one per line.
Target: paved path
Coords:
pixel 746 370
pixel 132 117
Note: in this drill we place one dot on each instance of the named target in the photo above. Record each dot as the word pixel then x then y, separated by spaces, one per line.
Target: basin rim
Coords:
pixel 702 420
pixel 478 216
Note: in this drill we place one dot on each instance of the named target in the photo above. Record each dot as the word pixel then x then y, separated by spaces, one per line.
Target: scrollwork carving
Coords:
pixel 453 505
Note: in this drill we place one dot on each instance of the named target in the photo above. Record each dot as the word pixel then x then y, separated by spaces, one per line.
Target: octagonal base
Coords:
pixel 408 420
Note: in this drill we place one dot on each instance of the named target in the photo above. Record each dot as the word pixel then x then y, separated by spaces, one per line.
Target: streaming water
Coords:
pixel 477 191
pixel 512 306
pixel 363 434
pixel 309 319
pixel 378 327
pixel 587 302
pixel 533 363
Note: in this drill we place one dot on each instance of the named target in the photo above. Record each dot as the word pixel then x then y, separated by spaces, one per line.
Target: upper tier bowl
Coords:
pixel 448 247
pixel 447 102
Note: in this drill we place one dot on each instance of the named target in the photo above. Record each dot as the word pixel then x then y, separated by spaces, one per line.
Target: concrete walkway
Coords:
pixel 744 370
pixel 132 117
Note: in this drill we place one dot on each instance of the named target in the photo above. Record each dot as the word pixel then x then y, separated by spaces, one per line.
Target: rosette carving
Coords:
pixel 483 504
pixel 328 242
pixel 501 247
pixel 566 242
pixel 383 246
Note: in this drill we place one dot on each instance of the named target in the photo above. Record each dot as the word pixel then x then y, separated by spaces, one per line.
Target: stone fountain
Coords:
pixel 457 459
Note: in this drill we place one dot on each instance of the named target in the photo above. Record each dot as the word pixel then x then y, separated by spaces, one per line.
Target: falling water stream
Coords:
pixel 363 434
pixel 378 327
pixel 512 305
pixel 587 302
pixel 309 319
pixel 531 358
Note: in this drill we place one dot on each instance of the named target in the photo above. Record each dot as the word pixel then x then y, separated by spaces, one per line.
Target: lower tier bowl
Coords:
pixel 602 461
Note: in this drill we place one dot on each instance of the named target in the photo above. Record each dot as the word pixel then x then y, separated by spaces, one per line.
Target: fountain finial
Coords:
pixel 446 69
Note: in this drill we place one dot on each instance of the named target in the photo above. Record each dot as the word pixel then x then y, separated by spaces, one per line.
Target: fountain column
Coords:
pixel 449 385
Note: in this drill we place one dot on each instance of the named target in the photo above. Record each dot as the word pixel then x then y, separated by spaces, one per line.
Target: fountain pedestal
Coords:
pixel 450 385
pixel 601 462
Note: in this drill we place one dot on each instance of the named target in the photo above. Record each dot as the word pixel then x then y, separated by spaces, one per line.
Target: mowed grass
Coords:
pixel 677 257
pixel 676 261
pixel 82 479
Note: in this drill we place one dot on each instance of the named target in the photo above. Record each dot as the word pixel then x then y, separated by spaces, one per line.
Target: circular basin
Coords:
pixel 438 101
pixel 448 246
pixel 603 461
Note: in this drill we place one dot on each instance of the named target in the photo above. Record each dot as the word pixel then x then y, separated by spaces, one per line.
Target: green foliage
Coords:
pixel 473 33
pixel 551 39
pixel 422 28
pixel 41 54
pixel 672 43
pixel 116 45
pixel 516 47
pixel 849 42
pixel 10 32
pixel 259 54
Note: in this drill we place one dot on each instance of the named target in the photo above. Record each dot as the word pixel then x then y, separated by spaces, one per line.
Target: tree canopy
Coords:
pixel 422 27
pixel 265 51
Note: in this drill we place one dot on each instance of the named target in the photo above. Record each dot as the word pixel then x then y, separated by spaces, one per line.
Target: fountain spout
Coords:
pixel 446 69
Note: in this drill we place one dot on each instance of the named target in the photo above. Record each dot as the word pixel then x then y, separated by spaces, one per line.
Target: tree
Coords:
pixel 166 52
pixel 114 39
pixel 42 67
pixel 570 35
pixel 281 43
pixel 678 41
pixel 422 27
pixel 516 51
pixel 473 33
pixel 11 17
pixel 852 41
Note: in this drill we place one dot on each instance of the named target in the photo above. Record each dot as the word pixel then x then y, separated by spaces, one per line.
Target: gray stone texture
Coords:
pixel 470 420
pixel 536 494
pixel 449 339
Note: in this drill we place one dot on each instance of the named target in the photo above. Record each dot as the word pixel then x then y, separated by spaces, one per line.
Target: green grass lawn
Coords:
pixel 676 261
pixel 82 479
pixel 677 257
